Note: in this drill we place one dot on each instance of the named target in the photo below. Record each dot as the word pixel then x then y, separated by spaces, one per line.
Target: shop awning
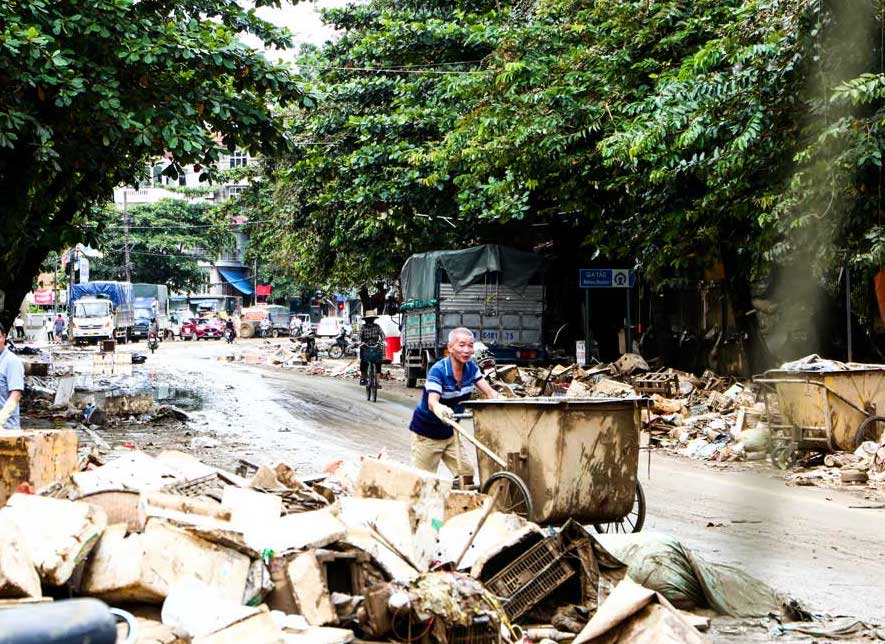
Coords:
pixel 238 278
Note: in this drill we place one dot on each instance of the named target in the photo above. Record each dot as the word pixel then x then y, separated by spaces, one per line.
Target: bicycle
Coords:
pixel 374 355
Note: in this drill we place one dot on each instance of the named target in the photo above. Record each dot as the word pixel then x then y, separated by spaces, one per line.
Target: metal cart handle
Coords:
pixel 485 450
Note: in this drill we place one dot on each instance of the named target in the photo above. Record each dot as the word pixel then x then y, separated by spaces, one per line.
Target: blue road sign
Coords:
pixel 606 278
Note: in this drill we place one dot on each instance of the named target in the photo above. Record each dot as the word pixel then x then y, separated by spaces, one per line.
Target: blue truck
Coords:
pixel 150 301
pixel 101 311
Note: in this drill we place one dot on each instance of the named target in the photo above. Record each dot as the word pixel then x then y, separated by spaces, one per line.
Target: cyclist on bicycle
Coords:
pixel 370 335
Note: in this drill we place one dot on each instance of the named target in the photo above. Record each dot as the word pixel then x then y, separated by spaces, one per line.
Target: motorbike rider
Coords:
pixel 264 326
pixel 229 328
pixel 370 335
pixel 294 326
pixel 154 328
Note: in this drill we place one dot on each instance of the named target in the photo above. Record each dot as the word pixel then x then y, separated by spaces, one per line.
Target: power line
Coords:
pixel 396 70
pixel 167 226
pixel 172 255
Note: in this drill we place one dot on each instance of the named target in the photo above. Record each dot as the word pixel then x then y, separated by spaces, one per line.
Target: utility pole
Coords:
pixel 126 241
pixel 255 279
pixel 847 305
pixel 55 286
pixel 72 259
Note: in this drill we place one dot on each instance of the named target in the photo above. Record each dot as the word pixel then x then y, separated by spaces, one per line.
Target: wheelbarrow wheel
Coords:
pixel 870 430
pixel 634 520
pixel 784 457
pixel 513 494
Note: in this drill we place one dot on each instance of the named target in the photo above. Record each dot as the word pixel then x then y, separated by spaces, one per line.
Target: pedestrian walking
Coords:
pixel 48 327
pixel 19 327
pixel 59 327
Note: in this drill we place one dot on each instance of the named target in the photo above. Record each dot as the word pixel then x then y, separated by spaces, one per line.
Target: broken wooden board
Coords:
pixel 423 492
pixel 299 531
pixel 64 391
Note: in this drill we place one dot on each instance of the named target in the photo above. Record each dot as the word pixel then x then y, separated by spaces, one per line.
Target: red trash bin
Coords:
pixel 392 344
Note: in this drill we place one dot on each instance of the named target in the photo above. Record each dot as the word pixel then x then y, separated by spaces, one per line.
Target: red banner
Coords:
pixel 43 296
pixel 262 290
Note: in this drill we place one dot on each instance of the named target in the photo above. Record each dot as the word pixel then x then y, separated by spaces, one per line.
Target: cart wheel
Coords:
pixel 870 430
pixel 513 494
pixel 783 457
pixel 634 520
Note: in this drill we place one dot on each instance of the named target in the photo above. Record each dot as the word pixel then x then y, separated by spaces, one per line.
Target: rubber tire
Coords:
pixel 518 485
pixel 247 330
pixel 336 352
pixel 275 333
pixel 604 528
pixel 784 457
pixel 169 335
pixel 862 430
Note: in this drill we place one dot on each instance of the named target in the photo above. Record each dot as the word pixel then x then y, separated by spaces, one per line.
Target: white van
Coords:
pixel 331 327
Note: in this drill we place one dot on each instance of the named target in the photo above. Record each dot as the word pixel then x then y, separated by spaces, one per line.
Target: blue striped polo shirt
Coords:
pixel 441 380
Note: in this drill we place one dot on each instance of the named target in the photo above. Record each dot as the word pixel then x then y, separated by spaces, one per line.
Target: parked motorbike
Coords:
pixel 342 346
pixel 229 335
pixel 152 341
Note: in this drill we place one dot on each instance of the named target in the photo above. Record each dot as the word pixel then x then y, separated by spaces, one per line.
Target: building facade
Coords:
pixel 226 274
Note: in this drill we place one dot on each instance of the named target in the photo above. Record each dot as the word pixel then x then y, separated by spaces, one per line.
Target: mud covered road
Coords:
pixel 812 543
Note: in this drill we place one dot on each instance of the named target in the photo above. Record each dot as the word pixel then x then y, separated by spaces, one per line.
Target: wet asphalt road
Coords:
pixel 812 543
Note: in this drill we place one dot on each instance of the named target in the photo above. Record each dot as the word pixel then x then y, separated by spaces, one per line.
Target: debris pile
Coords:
pixel 708 418
pixel 288 356
pixel 865 467
pixel 375 551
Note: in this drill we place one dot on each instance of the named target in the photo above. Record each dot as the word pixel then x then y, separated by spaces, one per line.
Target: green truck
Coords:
pixel 495 291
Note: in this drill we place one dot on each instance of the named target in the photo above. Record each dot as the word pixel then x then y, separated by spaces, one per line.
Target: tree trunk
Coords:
pixel 16 280
pixel 737 283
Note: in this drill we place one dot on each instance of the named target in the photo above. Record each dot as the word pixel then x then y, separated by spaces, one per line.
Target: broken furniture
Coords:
pixel 663 383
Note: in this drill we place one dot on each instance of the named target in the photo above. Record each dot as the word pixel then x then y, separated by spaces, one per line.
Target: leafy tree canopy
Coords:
pixel 361 193
pixel 89 89
pixel 167 239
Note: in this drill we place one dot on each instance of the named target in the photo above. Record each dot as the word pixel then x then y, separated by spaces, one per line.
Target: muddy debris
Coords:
pixel 205 555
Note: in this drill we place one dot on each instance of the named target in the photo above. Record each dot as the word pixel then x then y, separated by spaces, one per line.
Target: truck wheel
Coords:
pixel 247 330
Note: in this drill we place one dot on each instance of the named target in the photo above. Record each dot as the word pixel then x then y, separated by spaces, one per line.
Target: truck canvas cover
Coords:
pixel 466 267
pixel 117 292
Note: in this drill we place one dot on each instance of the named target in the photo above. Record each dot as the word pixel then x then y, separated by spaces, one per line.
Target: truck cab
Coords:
pixel 92 318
